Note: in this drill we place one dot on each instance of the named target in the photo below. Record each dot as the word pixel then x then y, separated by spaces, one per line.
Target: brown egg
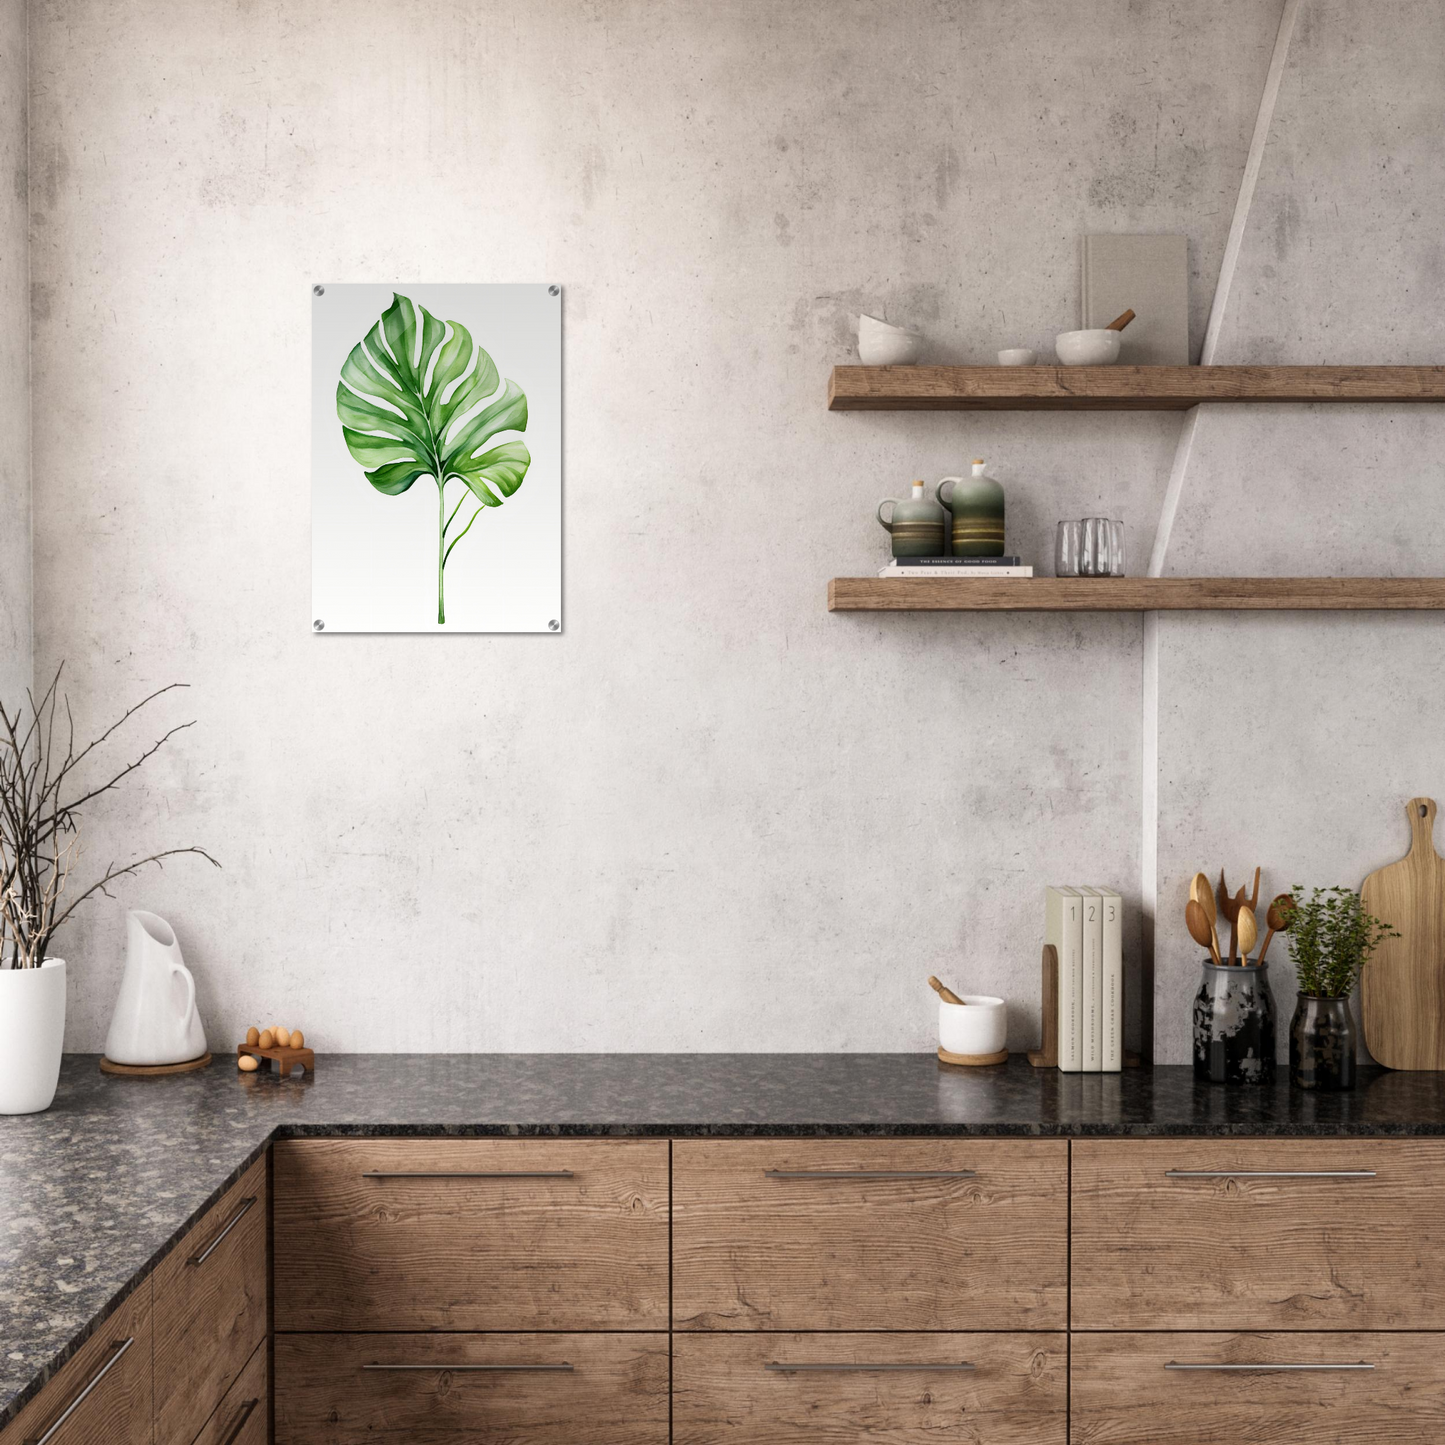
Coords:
pixel 298 1039
pixel 267 1040
pixel 252 1034
pixel 248 1063
pixel 282 1037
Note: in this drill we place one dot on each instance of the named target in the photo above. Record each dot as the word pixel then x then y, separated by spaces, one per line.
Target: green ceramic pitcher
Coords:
pixel 977 506
pixel 916 526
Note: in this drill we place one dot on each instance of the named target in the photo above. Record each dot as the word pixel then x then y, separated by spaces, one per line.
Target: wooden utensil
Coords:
pixel 1277 919
pixel 1247 926
pixel 943 990
pixel 1203 895
pixel 1201 930
pixel 1120 322
pixel 1254 897
pixel 1225 899
pixel 1402 990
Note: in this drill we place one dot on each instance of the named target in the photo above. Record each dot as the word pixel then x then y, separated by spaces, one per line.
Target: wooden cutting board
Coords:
pixel 1402 992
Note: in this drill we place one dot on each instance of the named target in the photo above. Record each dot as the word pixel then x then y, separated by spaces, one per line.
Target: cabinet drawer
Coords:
pixel 1259 1234
pixel 896 1389
pixel 548 1389
pixel 912 1234
pixel 102 1395
pixel 1124 1391
pixel 375 1234
pixel 240 1419
pixel 210 1309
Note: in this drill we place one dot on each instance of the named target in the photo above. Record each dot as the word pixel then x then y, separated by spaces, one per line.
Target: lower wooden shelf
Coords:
pixel 1137 594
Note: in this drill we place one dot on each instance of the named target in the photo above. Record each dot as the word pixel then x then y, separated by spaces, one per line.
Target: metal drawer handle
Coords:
pixel 870 1369
pixel 870 1174
pixel 469 1174
pixel 453 1369
pixel 1359 1365
pixel 240 1422
pixel 1270 1174
pixel 120 1347
pixel 234 1220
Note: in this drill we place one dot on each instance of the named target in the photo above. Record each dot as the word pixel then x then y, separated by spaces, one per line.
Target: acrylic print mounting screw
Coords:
pixel 318 290
pixel 318 626
pixel 419 398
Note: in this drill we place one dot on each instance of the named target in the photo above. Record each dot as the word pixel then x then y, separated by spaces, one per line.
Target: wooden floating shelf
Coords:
pixel 1119 388
pixel 1137 594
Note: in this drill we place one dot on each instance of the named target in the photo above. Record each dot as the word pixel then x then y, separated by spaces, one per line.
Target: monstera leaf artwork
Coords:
pixel 419 398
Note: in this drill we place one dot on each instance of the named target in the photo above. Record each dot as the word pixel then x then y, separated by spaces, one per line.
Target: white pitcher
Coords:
pixel 155 1020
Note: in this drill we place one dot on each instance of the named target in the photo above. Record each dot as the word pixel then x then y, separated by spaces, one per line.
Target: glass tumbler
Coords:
pixel 1116 549
pixel 1096 547
pixel 1066 549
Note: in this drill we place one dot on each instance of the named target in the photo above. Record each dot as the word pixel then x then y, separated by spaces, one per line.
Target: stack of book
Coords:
pixel 1085 927
pixel 972 567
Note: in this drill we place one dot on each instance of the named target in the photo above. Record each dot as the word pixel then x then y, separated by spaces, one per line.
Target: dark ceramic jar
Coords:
pixel 1234 1035
pixel 1322 1043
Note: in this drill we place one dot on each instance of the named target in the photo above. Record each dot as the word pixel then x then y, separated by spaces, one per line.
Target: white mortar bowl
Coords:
pixel 880 344
pixel 1088 348
pixel 978 1025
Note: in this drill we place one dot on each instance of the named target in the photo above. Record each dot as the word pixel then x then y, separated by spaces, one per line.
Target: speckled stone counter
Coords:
pixel 94 1192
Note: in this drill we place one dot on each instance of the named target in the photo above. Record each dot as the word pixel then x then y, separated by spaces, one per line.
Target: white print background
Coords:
pixel 373 557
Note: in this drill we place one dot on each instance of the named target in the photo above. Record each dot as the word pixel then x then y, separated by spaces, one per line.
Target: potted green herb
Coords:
pixel 1331 938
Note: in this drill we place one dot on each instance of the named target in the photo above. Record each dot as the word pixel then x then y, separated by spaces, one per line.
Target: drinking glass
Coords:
pixel 1096 547
pixel 1066 550
pixel 1116 549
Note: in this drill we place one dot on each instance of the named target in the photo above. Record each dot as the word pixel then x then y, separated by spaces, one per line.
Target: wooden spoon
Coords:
pixel 943 990
pixel 1238 905
pixel 1254 897
pixel 1248 928
pixel 1225 899
pixel 1201 930
pixel 1201 893
pixel 1277 920
pixel 1120 322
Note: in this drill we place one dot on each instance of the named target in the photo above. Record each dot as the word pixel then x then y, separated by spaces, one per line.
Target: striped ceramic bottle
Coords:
pixel 977 506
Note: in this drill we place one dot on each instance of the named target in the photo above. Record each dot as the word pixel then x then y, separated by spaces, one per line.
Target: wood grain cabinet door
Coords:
pixel 1329 1388
pixel 1259 1234
pixel 887 1389
pixel 528 1389
pixel 242 1417
pixel 102 1395
pixel 484 1234
pixel 210 1309
pixel 896 1234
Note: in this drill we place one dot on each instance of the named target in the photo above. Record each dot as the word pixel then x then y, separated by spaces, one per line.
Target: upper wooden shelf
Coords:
pixel 1119 388
pixel 1137 594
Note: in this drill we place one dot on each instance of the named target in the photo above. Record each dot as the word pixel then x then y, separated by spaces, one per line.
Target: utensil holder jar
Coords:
pixel 1234 1024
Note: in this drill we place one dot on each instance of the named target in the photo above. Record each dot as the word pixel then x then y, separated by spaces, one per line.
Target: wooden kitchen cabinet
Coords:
pixel 1274 1234
pixel 210 1309
pixel 102 1394
pixel 241 1417
pixel 905 1234
pixel 892 1389
pixel 449 1389
pixel 476 1234
pixel 1325 1388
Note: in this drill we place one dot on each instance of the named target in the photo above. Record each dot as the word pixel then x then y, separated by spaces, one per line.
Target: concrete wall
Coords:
pixel 709 816
pixel 15 590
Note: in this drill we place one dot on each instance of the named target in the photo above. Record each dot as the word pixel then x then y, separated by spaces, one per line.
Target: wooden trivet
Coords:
pixel 284 1059
pixel 151 1071
pixel 973 1060
pixel 1046 1056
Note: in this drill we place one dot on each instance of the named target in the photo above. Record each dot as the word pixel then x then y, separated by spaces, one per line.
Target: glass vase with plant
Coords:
pixel 1331 938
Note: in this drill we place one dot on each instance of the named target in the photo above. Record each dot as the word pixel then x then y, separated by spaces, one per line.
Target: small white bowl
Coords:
pixel 978 1025
pixel 880 344
pixel 1017 356
pixel 1088 348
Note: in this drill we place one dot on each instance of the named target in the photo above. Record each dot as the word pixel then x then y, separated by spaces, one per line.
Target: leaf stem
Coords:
pixel 442 525
pixel 463 532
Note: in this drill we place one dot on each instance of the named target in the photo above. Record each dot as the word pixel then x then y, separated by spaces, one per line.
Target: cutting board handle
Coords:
pixel 1421 813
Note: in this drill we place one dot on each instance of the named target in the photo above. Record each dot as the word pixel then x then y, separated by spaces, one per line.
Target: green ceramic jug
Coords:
pixel 977 506
pixel 916 525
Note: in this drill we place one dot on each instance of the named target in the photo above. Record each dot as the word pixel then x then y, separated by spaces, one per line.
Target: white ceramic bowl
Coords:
pixel 1088 348
pixel 978 1025
pixel 1017 356
pixel 880 344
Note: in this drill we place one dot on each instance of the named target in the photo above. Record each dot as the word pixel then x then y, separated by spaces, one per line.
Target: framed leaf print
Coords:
pixel 436 458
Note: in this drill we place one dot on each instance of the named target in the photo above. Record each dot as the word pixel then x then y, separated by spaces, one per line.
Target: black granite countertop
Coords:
pixel 94 1192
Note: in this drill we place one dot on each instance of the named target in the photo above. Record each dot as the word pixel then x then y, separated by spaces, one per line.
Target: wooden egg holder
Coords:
pixel 1047 1055
pixel 284 1060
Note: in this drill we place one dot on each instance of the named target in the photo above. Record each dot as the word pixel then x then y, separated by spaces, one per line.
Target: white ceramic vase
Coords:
pixel 32 1032
pixel 155 1019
